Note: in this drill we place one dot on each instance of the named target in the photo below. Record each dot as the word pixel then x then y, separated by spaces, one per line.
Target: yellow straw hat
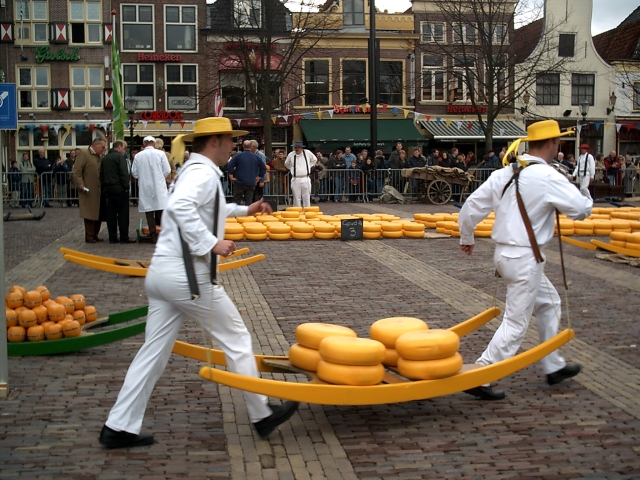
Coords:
pixel 543 130
pixel 206 126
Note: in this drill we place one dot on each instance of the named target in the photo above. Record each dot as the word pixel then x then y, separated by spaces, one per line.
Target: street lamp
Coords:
pixel 130 105
pixel 584 109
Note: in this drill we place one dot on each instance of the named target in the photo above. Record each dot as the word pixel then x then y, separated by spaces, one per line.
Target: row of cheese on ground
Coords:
pixel 630 241
pixel 405 344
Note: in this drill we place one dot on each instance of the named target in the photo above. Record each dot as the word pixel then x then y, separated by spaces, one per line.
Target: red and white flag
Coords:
pixel 218 110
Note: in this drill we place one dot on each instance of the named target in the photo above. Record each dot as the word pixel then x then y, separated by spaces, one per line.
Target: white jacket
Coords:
pixel 151 168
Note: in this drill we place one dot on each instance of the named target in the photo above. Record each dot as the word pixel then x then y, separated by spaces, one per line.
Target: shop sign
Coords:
pixel 44 55
pixel 466 109
pixel 161 115
pixel 146 57
pixel 351 109
pixel 182 103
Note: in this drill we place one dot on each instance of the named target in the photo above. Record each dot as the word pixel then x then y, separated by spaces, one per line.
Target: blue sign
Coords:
pixel 8 107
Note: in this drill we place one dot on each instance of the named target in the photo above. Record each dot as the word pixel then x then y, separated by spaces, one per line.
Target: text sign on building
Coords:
pixel 44 54
pixel 8 107
pixel 462 109
pixel 161 115
pixel 182 103
pixel 147 57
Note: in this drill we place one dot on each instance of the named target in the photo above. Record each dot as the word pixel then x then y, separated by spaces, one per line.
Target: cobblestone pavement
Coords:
pixel 588 427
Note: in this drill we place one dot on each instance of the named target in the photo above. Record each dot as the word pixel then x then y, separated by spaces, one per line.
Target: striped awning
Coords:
pixel 457 130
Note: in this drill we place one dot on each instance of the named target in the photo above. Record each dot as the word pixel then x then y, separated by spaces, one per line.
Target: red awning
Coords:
pixel 235 62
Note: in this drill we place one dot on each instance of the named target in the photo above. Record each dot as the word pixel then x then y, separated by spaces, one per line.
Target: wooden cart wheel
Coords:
pixel 439 192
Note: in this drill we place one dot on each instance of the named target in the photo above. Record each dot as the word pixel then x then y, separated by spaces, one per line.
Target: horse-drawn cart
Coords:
pixel 436 183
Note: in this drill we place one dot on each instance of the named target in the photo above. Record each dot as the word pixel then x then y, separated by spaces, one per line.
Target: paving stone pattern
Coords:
pixel 585 428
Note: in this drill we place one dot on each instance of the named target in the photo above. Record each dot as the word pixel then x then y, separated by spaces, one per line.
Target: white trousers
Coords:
pixel 584 186
pixel 528 291
pixel 301 189
pixel 169 304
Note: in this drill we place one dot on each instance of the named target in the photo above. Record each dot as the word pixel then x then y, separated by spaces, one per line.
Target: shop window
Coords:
pixel 33 88
pixel 182 85
pixel 353 12
pixel 432 77
pixel 180 28
pixel 31 21
pixel 390 86
pixel 138 83
pixel 354 82
pixel 316 82
pixel 233 90
pixel 85 22
pixel 137 27
pixel 566 45
pixel 582 88
pixel 86 88
pixel 548 89
pixel 247 13
pixel 432 32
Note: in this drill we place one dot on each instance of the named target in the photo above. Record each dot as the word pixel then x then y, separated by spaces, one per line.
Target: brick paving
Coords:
pixel 587 428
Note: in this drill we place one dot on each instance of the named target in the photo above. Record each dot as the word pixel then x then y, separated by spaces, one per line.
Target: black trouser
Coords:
pixel 118 215
pixel 258 193
pixel 153 220
pixel 243 192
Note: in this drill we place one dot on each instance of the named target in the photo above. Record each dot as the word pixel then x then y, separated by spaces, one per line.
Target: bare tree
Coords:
pixel 261 44
pixel 488 64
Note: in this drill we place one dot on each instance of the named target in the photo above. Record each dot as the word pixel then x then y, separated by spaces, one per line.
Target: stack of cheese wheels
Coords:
pixel 428 354
pixel 483 230
pixel 440 226
pixel 233 231
pixel 391 229
pixel 304 354
pixel 387 331
pixel 290 215
pixel 312 209
pixel 351 361
pixel 413 230
pixel 302 231
pixel 323 230
pixel 618 239
pixel 583 227
pixel 266 218
pixel 371 230
pixel 633 241
pixel 278 231
pixel 621 226
pixel 566 227
pixel 255 231
pixel 602 227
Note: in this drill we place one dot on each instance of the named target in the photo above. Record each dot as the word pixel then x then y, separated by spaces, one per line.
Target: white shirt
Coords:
pixel 580 167
pixel 151 168
pixel 302 166
pixel 190 208
pixel 543 190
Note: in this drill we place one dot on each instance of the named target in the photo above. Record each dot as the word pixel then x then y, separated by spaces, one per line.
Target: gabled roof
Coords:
pixel 620 43
pixel 634 17
pixel 525 40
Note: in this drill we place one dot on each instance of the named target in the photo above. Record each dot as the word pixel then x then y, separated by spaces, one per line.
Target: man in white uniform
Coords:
pixel 585 170
pixel 152 170
pixel 543 190
pixel 299 163
pixel 189 218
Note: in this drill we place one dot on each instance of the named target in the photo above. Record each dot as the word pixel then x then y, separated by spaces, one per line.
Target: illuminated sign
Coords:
pixel 466 109
pixel 146 57
pixel 161 115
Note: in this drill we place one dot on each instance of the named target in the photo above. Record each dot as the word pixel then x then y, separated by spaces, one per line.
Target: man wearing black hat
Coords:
pixel 585 171
pixel 299 163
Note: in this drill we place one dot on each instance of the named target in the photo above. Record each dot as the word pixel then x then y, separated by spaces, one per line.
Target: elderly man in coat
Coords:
pixel 152 170
pixel 86 176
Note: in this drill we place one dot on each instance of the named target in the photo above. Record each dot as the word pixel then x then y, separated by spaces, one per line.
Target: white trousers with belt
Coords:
pixel 529 292
pixel 169 304
pixel 301 189
pixel 584 186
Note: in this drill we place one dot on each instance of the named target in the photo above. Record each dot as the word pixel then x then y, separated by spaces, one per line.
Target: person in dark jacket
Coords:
pixel 381 166
pixel 416 161
pixel 245 171
pixel 60 173
pixel 339 178
pixel 44 166
pixel 369 170
pixel 114 181
pixel 15 183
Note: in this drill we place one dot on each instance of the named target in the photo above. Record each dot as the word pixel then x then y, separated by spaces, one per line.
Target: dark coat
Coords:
pixel 114 175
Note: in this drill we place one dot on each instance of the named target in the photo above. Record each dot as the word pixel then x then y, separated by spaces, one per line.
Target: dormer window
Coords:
pixel 353 11
pixel 247 13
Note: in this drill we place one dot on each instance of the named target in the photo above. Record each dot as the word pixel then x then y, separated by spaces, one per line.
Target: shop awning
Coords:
pixel 235 62
pixel 340 132
pixel 460 130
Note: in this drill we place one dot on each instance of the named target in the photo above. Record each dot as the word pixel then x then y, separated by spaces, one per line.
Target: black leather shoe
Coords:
pixel 109 438
pixel 281 413
pixel 129 240
pixel 113 241
pixel 567 372
pixel 486 393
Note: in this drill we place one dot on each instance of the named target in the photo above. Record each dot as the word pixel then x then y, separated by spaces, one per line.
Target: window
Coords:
pixel 636 96
pixel 316 82
pixel 247 13
pixel 86 88
pixel 85 22
pixel 180 28
pixel 432 77
pixel 138 83
pixel 582 88
pixel 497 76
pixel 137 27
pixel 182 85
pixel 432 32
pixel 548 89
pixel 462 79
pixel 390 86
pixel 566 45
pixel 463 33
pixel 33 88
pixel 31 17
pixel 497 33
pixel 354 82
pixel 353 11
pixel 233 90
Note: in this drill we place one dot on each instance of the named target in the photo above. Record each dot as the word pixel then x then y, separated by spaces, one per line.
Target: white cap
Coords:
pixel 148 138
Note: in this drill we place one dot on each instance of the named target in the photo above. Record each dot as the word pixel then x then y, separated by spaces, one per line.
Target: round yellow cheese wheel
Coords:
pixel 421 216
pixel 267 219
pixel 310 215
pixel 412 227
pixel 412 234
pixel 430 224
pixel 618 243
pixel 302 236
pixel 302 228
pixel 451 217
pixel 293 209
pixel 635 226
pixel 327 218
pixel 255 228
pixel 278 227
pixel 233 228
pixel 325 235
pixel 620 236
pixel 582 231
pixel 371 227
pixel 634 215
pixel 246 219
pixel 234 236
pixel 485 227
pixel 230 220
pixel 304 358
pixel 311 334
pixel 387 330
pixel 290 214
pixel 351 351
pixel 279 236
pixel 566 224
pixel 566 232
pixel 430 369
pixel 633 246
pixel 391 227
pixel 371 235
pixel 324 227
pixel 633 238
pixel 482 234
pixel 256 236
pixel 620 224
pixel 583 224
pixel 388 234
pixel 427 344
pixel 390 357
pixel 600 232
pixel 356 375
pixel 312 208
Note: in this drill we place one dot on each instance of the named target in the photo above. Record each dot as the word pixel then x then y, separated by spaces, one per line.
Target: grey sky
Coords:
pixel 607 14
